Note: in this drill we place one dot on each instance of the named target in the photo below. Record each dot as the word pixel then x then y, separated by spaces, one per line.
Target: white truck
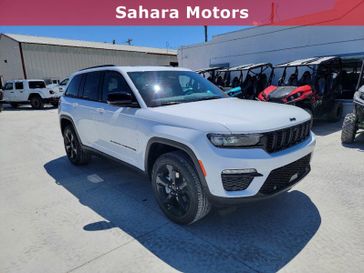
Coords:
pixel 197 145
pixel 35 92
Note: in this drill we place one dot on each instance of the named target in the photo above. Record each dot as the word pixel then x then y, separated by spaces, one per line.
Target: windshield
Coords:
pixel 293 76
pixel 159 88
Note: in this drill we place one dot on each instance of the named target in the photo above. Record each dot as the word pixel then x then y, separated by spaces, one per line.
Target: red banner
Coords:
pixel 182 12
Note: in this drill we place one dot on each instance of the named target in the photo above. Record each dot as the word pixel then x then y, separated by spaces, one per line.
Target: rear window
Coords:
pixel 37 84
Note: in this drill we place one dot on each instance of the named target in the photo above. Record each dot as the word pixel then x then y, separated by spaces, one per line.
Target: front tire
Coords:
pixel 178 189
pixel 75 153
pixel 36 102
pixel 349 129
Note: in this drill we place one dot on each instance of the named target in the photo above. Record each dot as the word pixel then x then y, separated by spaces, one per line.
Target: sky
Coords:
pixel 171 37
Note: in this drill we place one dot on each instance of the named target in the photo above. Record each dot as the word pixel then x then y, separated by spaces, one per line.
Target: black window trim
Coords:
pixel 81 86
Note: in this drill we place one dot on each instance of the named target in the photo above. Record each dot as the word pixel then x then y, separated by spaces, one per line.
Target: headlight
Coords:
pixel 220 140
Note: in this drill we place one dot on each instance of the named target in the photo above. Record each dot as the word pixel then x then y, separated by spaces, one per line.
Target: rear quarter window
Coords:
pixel 74 86
pixel 37 84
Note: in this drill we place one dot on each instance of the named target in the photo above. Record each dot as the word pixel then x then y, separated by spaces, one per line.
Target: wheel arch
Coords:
pixel 65 120
pixel 163 145
pixel 31 95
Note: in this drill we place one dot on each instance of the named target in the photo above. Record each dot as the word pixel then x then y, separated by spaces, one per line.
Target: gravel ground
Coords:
pixel 102 217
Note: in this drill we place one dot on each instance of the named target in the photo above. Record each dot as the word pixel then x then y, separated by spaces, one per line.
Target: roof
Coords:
pixel 308 61
pixel 132 68
pixel 246 67
pixel 208 69
pixel 27 39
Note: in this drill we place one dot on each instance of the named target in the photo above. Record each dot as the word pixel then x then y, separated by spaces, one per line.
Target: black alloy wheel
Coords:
pixel 173 191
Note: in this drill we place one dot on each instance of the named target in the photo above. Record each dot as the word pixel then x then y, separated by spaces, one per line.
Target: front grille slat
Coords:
pixel 284 138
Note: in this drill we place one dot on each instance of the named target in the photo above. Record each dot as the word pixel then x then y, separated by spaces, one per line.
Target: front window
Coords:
pixel 9 86
pixel 159 88
pixel 293 76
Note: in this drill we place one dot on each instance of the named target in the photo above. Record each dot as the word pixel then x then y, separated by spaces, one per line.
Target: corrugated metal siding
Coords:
pixel 9 51
pixel 87 44
pixel 273 44
pixel 44 61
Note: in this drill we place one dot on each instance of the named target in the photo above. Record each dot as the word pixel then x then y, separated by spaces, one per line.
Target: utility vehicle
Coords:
pixel 247 81
pixel 354 122
pixel 34 92
pixel 197 145
pixel 212 74
pixel 312 84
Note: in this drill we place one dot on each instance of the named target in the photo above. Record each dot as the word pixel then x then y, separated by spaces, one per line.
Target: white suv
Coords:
pixel 197 146
pixel 34 92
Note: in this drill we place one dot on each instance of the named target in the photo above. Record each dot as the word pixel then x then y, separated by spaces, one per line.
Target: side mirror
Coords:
pixel 121 99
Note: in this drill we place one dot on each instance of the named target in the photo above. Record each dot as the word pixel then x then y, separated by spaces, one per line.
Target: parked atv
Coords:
pixel 312 84
pixel 247 81
pixel 354 122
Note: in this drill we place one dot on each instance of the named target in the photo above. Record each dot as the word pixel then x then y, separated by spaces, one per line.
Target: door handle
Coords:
pixel 74 104
pixel 12 92
pixel 100 110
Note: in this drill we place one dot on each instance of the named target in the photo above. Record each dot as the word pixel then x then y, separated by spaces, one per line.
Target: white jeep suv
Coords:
pixel 197 146
pixel 34 92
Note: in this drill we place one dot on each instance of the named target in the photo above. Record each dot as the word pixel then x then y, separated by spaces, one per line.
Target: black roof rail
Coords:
pixel 103 65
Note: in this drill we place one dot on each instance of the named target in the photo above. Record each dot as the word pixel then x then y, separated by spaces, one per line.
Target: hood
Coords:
pixel 230 115
pixel 281 92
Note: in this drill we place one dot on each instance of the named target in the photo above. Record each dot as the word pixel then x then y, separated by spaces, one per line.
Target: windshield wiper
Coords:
pixel 207 98
pixel 167 103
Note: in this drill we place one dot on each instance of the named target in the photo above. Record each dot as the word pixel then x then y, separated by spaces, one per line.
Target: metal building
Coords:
pixel 26 57
pixel 274 44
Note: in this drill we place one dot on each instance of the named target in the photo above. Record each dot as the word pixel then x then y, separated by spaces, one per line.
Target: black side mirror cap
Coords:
pixel 121 99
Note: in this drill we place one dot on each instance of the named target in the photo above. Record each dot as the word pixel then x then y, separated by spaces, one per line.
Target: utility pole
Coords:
pixel 206 37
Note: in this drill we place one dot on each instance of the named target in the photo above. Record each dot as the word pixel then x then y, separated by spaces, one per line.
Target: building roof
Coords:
pixel 87 44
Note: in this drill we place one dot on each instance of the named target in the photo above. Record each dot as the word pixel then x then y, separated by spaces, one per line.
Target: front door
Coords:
pixel 116 126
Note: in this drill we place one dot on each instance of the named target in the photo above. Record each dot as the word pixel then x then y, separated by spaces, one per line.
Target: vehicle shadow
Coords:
pixel 8 107
pixel 324 128
pixel 255 237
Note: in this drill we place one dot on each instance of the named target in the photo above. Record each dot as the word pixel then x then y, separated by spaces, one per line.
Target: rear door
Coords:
pixel 87 107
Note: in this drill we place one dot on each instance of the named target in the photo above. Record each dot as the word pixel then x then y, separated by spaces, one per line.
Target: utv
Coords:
pixel 312 84
pixel 354 122
pixel 210 73
pixel 247 81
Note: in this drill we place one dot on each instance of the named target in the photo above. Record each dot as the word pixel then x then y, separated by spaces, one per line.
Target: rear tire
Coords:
pixel 75 153
pixel 36 102
pixel 336 114
pixel 178 189
pixel 349 129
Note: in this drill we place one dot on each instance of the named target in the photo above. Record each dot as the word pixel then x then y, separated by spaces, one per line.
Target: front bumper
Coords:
pixel 216 160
